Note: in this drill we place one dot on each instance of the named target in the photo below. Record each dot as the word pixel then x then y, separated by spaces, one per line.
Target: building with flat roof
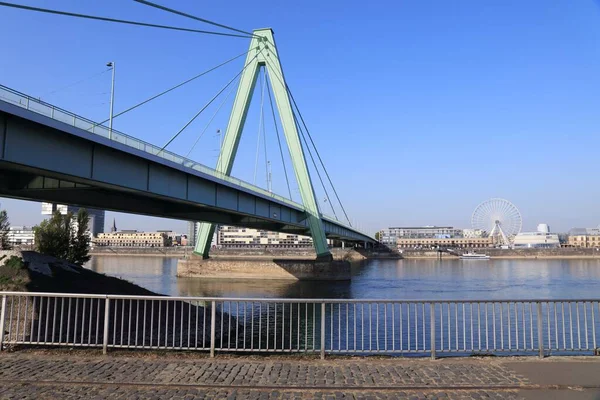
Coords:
pixel 452 243
pixel 390 236
pixel 536 240
pixel 21 236
pixel 132 238
pixel 233 236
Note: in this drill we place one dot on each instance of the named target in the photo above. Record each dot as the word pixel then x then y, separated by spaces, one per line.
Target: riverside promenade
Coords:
pixel 78 375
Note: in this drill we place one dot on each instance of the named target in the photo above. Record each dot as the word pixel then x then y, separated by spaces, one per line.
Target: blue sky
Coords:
pixel 420 109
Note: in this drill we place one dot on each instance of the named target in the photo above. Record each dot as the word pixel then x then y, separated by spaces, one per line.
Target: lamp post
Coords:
pixel 111 64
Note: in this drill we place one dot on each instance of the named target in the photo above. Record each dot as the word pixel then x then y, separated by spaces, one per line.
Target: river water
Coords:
pixel 382 279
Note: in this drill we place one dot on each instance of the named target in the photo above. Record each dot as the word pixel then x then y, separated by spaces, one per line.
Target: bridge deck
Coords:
pixel 50 154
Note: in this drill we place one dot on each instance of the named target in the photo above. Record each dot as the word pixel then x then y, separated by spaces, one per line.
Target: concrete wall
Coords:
pixel 288 269
pixel 515 253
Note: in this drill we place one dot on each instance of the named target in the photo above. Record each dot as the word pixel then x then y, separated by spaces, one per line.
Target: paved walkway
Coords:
pixel 77 376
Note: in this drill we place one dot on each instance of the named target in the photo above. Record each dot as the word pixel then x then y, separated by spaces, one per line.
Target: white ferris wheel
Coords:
pixel 499 218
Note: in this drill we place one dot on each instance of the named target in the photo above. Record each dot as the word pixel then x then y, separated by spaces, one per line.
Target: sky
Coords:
pixel 420 110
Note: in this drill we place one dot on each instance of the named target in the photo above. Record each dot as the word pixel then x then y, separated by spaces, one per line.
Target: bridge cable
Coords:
pixel 145 2
pixel 260 124
pixel 299 128
pixel 318 155
pixel 279 140
pixel 308 147
pixel 172 88
pixel 209 103
pixel 211 120
pixel 74 83
pixel 120 21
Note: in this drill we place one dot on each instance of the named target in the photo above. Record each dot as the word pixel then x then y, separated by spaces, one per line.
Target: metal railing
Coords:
pixel 321 326
pixel 41 107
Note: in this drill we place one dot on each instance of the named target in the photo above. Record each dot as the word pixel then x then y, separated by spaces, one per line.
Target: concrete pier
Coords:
pixel 264 268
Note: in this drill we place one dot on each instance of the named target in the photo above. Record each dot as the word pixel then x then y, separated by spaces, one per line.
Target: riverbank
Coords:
pixel 40 273
pixel 349 253
pixel 516 254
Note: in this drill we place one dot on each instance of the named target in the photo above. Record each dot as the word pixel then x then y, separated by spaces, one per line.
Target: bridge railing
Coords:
pixel 41 107
pixel 321 326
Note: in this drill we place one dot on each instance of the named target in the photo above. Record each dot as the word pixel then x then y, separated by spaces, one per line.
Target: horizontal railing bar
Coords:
pixel 290 300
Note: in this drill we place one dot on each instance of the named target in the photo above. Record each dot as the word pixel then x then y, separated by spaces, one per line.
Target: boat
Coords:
pixel 474 256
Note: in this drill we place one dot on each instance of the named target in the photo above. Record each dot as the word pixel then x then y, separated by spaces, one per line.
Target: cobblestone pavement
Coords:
pixel 97 377
pixel 240 372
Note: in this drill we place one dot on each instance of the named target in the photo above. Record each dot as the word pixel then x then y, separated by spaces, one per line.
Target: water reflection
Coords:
pixel 381 279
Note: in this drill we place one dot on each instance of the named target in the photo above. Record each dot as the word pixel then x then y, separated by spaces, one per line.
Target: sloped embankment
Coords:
pixel 37 319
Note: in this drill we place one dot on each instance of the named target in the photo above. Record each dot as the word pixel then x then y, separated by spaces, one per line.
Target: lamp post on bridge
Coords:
pixel 111 64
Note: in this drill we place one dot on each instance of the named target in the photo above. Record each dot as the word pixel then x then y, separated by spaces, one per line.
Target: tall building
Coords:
pixel 96 225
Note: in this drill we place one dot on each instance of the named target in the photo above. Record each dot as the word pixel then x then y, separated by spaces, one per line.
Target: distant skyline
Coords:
pixel 420 109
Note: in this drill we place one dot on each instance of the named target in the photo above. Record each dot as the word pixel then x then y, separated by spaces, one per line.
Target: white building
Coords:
pixel 21 236
pixel 233 236
pixel 536 240
pixel 391 235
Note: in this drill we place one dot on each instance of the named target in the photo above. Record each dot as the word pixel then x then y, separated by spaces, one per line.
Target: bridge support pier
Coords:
pixel 263 54
pixel 256 267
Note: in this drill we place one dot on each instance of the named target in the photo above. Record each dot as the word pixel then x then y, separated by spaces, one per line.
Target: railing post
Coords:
pixel 213 323
pixel 106 319
pixel 540 333
pixel 2 316
pixel 322 331
pixel 27 103
pixel 432 329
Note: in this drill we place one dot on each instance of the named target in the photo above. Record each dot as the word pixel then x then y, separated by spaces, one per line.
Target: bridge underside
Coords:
pixel 45 160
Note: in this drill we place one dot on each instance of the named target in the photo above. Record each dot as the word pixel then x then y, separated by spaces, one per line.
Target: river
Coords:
pixel 382 279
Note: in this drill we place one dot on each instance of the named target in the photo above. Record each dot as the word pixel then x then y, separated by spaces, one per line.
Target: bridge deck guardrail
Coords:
pixel 36 105
pixel 319 326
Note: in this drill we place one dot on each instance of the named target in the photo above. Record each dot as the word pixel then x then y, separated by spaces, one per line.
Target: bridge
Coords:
pixel 50 154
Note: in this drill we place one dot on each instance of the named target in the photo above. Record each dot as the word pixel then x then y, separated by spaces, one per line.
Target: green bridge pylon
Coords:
pixel 263 54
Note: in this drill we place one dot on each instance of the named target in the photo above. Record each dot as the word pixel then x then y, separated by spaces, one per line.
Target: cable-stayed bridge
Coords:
pixel 50 154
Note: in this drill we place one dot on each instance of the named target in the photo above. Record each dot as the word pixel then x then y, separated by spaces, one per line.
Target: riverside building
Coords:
pixel 390 236
pixel 232 236
pixel 132 238
pixel 584 237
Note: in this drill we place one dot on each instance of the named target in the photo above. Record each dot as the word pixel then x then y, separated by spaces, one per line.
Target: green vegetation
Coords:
pixel 377 235
pixel 65 237
pixel 13 274
pixel 4 228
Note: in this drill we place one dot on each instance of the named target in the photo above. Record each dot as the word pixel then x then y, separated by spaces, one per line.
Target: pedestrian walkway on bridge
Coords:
pixel 58 375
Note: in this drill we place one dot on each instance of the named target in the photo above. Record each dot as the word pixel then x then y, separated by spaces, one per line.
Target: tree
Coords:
pixel 63 238
pixel 80 241
pixel 377 235
pixel 4 228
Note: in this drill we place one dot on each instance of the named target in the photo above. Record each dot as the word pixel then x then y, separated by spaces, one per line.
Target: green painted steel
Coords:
pixel 263 54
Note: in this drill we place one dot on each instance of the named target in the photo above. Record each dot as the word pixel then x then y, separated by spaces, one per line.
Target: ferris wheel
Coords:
pixel 499 218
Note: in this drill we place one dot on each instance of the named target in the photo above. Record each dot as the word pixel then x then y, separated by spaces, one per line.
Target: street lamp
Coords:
pixel 111 64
